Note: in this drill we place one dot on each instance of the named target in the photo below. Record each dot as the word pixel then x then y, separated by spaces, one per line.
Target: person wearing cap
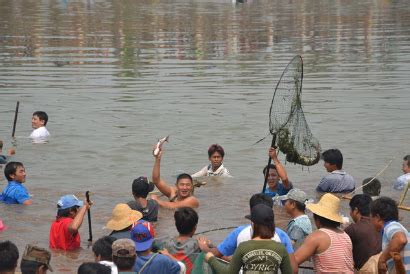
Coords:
pixel 260 254
pixel 141 187
pixel 244 233
pixel 329 246
pixel 9 255
pixel 278 182
pixel 180 195
pixel 367 242
pixel 148 262
pixel 337 181
pixel 35 260
pixel 121 221
pixel 216 156
pixel 15 192
pixel 300 226
pixel 384 215
pixel 102 250
pixel 70 215
pixel 124 255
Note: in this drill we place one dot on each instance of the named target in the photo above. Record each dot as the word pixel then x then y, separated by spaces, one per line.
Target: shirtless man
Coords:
pixel 179 195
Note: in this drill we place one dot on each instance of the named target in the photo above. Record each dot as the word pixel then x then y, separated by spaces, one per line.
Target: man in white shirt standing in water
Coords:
pixel 39 122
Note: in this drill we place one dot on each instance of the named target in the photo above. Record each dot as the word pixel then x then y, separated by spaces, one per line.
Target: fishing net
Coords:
pixel 287 120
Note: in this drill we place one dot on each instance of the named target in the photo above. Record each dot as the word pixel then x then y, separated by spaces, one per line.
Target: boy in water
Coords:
pixel 278 182
pixel 64 230
pixel 372 189
pixel 148 207
pixel 216 155
pixel 4 158
pixel 39 122
pixel 15 192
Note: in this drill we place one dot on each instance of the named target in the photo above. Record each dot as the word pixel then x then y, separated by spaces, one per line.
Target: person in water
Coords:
pixel 141 187
pixel 337 181
pixel 180 195
pixel 122 220
pixel 278 182
pixel 4 158
pixel 15 192
pixel 405 178
pixel 216 156
pixel 38 123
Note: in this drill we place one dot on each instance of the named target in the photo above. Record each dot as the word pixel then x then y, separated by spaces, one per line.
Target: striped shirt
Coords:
pixel 389 230
pixel 338 258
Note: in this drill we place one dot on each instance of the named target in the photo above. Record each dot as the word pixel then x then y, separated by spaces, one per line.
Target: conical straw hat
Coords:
pixel 122 217
pixel 327 207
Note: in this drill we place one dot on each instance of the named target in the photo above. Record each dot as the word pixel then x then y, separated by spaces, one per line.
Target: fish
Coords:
pixel 159 145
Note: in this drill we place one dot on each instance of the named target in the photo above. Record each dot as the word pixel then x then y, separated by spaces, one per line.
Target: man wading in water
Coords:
pixel 179 195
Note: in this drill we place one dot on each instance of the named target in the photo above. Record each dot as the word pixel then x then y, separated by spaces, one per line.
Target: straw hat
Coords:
pixel 122 217
pixel 327 207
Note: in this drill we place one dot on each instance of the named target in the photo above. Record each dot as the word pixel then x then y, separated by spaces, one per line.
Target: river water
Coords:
pixel 116 75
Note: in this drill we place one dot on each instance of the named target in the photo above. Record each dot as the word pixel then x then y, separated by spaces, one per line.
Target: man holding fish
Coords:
pixel 179 195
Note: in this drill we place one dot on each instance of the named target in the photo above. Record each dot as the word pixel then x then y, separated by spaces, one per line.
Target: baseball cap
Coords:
pixel 143 235
pixel 37 254
pixel 295 194
pixel 142 186
pixel 68 201
pixel 262 215
pixel 123 248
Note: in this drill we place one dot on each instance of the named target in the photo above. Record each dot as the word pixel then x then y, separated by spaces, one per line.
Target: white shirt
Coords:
pixel 207 171
pixel 40 135
pixel 401 181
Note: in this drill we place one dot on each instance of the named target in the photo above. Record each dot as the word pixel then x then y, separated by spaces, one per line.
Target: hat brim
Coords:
pixel 133 217
pixel 283 198
pixel 144 245
pixel 248 217
pixel 324 212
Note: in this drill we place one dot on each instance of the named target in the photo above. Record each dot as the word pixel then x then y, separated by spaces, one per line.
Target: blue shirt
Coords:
pixel 337 181
pixel 14 193
pixel 280 190
pixel 390 228
pixel 161 264
pixel 244 233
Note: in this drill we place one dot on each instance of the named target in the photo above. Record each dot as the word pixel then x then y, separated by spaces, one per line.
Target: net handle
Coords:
pixel 269 163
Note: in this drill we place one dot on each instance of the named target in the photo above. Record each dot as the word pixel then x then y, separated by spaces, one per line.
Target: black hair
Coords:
pixel 103 247
pixel 372 189
pixel 124 263
pixel 333 157
pixel 30 267
pixel 184 176
pixel 263 231
pixel 93 268
pixel 11 168
pixel 42 116
pixel 138 190
pixel 9 255
pixel 186 220
pixel 407 158
pixel 362 203
pixel 326 223
pixel 1 145
pixel 66 212
pixel 216 148
pixel 299 206
pixel 271 166
pixel 260 198
pixel 386 208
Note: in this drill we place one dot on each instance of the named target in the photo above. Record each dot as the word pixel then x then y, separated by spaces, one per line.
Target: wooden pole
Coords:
pixel 15 119
pixel 90 231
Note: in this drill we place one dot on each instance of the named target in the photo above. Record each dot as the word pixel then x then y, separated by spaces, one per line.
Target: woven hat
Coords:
pixel 37 254
pixel 327 207
pixel 122 217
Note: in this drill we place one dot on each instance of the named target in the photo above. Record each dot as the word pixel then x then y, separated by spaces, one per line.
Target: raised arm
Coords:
pixel 78 219
pixel 156 177
pixel 280 168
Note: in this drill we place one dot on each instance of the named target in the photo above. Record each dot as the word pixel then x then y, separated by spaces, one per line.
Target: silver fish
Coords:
pixel 159 145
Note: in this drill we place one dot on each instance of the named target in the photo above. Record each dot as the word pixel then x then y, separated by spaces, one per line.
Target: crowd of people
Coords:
pixel 376 241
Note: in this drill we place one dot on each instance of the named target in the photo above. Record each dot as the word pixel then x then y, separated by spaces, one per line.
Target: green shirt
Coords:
pixel 255 257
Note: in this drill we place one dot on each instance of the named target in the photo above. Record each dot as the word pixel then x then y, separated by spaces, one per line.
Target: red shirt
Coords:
pixel 60 238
